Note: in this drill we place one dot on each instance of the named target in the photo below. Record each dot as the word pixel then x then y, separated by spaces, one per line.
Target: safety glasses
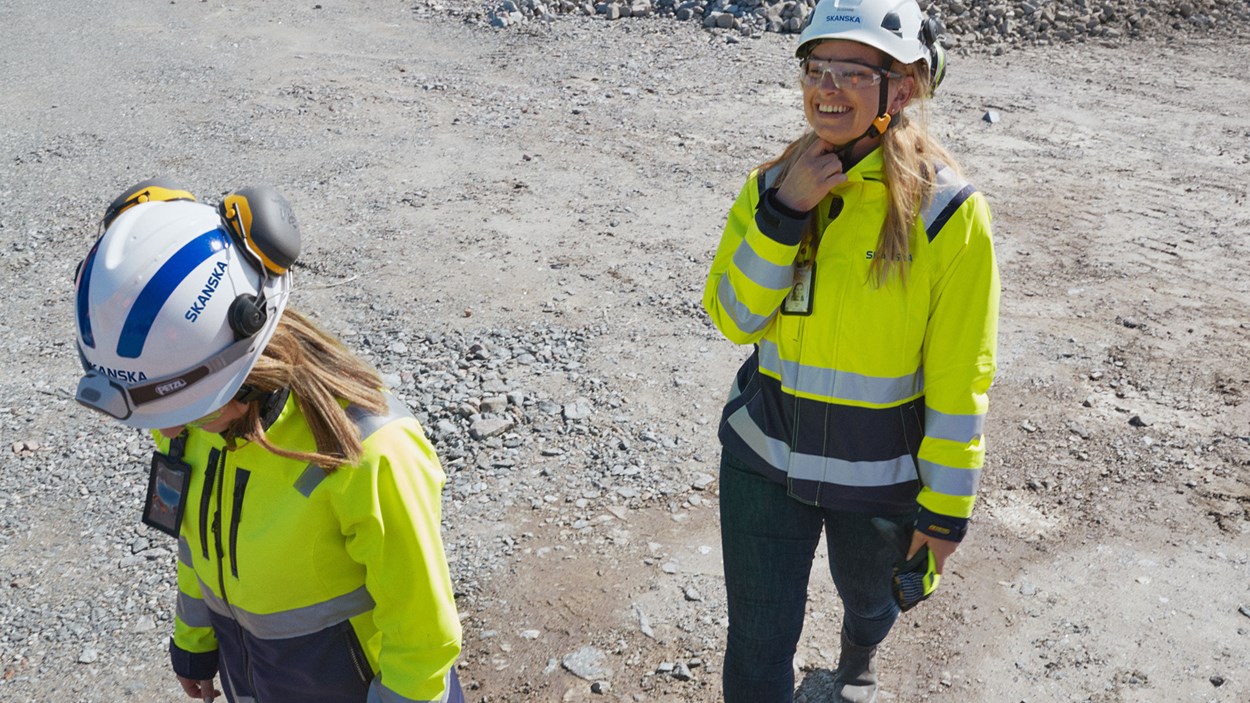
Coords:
pixel 105 394
pixel 845 75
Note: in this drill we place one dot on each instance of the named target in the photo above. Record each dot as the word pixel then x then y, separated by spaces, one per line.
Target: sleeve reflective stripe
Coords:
pixel 741 315
pixel 950 193
pixel 184 551
pixel 761 271
pixel 193 611
pixel 956 428
pixel 366 424
pixel 308 481
pixel 949 480
pixel 381 694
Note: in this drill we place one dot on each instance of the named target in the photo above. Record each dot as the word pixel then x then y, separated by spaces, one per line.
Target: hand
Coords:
pixel 941 548
pixel 812 176
pixel 202 689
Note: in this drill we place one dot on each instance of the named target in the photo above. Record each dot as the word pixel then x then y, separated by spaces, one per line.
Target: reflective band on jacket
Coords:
pixel 296 622
pixel 956 428
pixel 193 611
pixel 747 321
pixel 950 480
pixel 762 272
pixel 838 385
pixel 820 468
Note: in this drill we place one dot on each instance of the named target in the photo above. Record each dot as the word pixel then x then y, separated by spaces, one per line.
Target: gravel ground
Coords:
pixel 513 223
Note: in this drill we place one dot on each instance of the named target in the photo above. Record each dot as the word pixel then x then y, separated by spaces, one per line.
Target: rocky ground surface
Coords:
pixel 513 223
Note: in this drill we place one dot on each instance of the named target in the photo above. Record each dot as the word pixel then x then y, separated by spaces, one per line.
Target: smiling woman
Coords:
pixel 860 266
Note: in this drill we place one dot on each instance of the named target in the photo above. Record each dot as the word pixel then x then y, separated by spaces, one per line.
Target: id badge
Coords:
pixel 167 493
pixel 799 302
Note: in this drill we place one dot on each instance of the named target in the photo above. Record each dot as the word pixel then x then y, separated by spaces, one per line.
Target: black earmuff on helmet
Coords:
pixel 151 190
pixel 931 31
pixel 264 224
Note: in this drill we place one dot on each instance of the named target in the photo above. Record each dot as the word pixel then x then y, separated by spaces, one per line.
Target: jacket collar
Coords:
pixel 869 168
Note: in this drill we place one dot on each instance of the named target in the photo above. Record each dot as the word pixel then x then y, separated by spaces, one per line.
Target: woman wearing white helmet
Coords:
pixel 859 264
pixel 305 500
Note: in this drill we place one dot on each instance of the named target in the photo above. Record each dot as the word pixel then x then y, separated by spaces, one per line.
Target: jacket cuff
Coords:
pixel 198 666
pixel 941 526
pixel 779 222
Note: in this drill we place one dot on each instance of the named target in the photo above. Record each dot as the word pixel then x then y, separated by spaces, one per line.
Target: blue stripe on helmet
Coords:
pixel 162 285
pixel 84 284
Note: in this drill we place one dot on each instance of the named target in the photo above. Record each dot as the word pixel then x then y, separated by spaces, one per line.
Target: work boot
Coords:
pixel 855 681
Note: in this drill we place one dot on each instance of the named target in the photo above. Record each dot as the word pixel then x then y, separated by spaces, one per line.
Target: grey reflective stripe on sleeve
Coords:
pixel 296 622
pixel 366 424
pixel 742 316
pixel 949 480
pixel 308 481
pixel 955 428
pixel 381 694
pixel 841 385
pixel 184 551
pixel 950 192
pixel 809 467
pixel 762 272
pixel 192 611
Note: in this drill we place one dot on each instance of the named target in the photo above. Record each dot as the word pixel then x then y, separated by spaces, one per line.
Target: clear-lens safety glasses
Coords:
pixel 845 75
pixel 109 396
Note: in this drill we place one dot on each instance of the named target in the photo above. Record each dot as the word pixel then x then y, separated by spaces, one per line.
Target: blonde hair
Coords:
pixel 911 155
pixel 319 371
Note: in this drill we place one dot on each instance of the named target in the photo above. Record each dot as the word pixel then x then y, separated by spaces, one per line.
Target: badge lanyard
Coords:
pixel 802 289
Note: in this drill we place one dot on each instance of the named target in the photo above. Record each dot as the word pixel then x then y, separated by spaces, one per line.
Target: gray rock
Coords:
pixel 586 663
pixel 991 116
pixel 579 409
pixel 485 427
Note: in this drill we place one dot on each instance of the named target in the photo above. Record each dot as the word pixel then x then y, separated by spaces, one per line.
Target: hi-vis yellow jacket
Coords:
pixel 860 397
pixel 302 585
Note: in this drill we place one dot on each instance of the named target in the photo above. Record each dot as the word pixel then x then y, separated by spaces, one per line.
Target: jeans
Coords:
pixel 768 541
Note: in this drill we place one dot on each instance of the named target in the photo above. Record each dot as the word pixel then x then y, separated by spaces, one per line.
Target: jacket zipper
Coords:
pixel 240 487
pixel 206 496
pixel 221 566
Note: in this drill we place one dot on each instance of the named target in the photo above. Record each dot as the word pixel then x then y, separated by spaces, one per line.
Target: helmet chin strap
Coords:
pixel 879 125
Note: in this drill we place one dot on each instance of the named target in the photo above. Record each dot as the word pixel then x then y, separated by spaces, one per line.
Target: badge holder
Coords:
pixel 168 482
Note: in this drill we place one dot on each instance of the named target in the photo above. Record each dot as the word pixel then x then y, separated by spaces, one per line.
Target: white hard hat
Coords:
pixel 174 309
pixel 893 26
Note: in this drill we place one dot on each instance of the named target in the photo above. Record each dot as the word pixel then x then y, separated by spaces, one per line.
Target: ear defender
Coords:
pixel 151 190
pixel 930 31
pixel 261 220
pixel 246 316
